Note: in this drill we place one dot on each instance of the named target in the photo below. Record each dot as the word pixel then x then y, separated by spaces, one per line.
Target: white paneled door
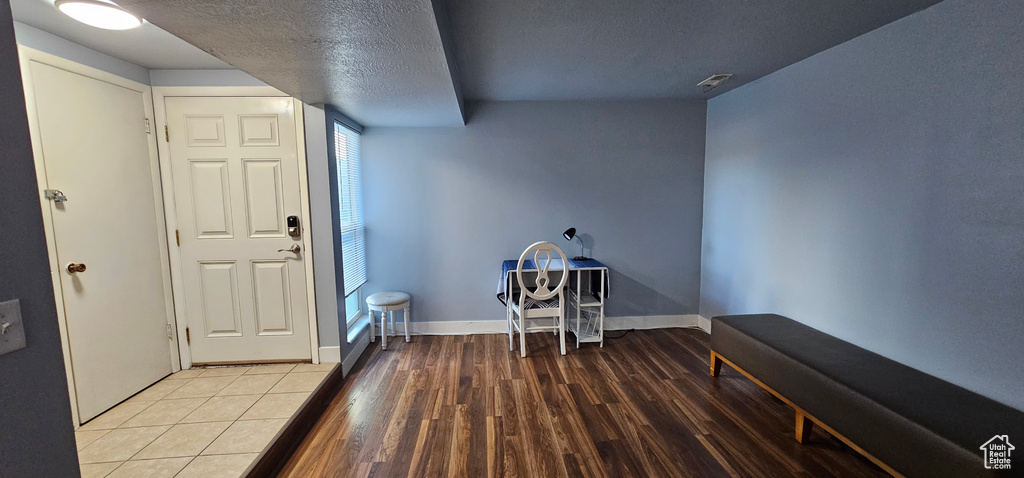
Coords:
pixel 107 231
pixel 235 170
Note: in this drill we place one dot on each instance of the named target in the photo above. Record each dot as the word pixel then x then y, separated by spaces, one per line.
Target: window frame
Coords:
pixel 354 317
pixel 351 318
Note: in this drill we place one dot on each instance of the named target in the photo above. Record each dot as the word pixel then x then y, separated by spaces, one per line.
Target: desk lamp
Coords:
pixel 569 234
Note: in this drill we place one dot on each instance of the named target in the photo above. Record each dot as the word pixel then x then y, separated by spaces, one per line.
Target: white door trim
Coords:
pixel 160 93
pixel 27 56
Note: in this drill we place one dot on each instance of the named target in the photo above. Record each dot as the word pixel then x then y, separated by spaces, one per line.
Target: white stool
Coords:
pixel 387 303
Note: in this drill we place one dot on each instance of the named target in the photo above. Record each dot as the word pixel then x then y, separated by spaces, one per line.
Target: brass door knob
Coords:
pixel 72 268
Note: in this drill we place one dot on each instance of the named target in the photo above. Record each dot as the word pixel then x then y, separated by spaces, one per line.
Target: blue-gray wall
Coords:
pixel 330 320
pixel 875 191
pixel 36 434
pixel 444 206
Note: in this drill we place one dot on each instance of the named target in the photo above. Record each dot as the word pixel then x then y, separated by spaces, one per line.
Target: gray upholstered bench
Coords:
pixel 907 422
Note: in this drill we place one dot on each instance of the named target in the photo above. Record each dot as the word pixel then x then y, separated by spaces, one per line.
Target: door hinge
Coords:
pixel 170 332
pixel 148 130
pixel 177 237
pixel 167 134
pixel 188 336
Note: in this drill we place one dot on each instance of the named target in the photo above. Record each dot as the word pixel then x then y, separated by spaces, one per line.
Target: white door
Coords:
pixel 96 151
pixel 236 182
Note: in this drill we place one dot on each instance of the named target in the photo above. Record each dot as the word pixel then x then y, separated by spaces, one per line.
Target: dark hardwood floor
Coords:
pixel 644 405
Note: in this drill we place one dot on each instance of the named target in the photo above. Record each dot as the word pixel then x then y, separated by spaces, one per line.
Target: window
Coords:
pixel 353 231
pixel 353 306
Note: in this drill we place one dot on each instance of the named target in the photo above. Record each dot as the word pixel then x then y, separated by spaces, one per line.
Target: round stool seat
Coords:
pixel 382 299
pixel 387 303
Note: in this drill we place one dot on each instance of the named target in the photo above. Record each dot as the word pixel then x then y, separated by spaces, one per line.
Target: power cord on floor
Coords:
pixel 613 337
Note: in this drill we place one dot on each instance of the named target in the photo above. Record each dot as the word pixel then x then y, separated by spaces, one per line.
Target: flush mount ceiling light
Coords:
pixel 714 81
pixel 99 14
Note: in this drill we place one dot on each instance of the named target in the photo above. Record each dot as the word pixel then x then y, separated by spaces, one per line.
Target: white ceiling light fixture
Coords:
pixel 714 81
pixel 99 14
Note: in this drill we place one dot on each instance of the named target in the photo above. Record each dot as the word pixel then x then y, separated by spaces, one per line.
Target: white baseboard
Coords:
pixel 645 322
pixel 330 354
pixel 354 354
pixel 473 327
pixel 453 327
pixel 704 324
pixel 461 327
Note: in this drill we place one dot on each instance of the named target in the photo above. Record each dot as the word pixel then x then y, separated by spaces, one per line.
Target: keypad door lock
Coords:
pixel 293 226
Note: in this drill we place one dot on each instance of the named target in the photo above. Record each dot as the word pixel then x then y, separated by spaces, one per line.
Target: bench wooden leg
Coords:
pixel 803 427
pixel 716 364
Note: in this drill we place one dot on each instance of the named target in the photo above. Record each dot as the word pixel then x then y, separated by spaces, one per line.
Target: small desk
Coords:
pixel 587 292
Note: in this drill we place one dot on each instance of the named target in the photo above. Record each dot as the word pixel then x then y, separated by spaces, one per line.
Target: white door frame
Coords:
pixel 160 93
pixel 27 56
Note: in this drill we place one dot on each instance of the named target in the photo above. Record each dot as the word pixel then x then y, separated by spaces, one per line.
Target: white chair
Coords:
pixel 541 301
pixel 387 303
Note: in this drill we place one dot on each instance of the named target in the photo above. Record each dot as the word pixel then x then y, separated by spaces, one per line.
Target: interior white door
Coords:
pixel 236 181
pixel 97 152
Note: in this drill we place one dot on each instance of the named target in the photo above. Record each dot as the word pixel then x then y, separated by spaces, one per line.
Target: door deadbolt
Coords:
pixel 73 268
pixel 54 195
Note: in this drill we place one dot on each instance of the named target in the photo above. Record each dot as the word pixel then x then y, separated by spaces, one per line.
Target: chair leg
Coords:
pixel 561 326
pixel 508 323
pixel 405 315
pixel 383 330
pixel 522 335
pixel 373 335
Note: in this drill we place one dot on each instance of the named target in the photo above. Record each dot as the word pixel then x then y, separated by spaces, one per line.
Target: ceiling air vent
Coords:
pixel 714 81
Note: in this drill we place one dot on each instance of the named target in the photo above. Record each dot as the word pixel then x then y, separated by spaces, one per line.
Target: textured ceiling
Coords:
pixel 381 62
pixel 410 62
pixel 614 49
pixel 147 46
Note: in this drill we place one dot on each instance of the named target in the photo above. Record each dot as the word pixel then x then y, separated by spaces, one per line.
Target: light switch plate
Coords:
pixel 12 331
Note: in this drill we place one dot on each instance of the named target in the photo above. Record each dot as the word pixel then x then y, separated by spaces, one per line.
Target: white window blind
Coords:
pixel 353 231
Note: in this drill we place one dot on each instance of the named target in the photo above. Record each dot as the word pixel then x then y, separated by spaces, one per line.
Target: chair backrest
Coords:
pixel 543 291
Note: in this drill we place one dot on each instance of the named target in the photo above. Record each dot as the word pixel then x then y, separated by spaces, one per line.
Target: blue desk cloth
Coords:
pixel 556 265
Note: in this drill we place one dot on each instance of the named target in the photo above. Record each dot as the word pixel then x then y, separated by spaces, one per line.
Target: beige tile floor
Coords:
pixel 210 422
